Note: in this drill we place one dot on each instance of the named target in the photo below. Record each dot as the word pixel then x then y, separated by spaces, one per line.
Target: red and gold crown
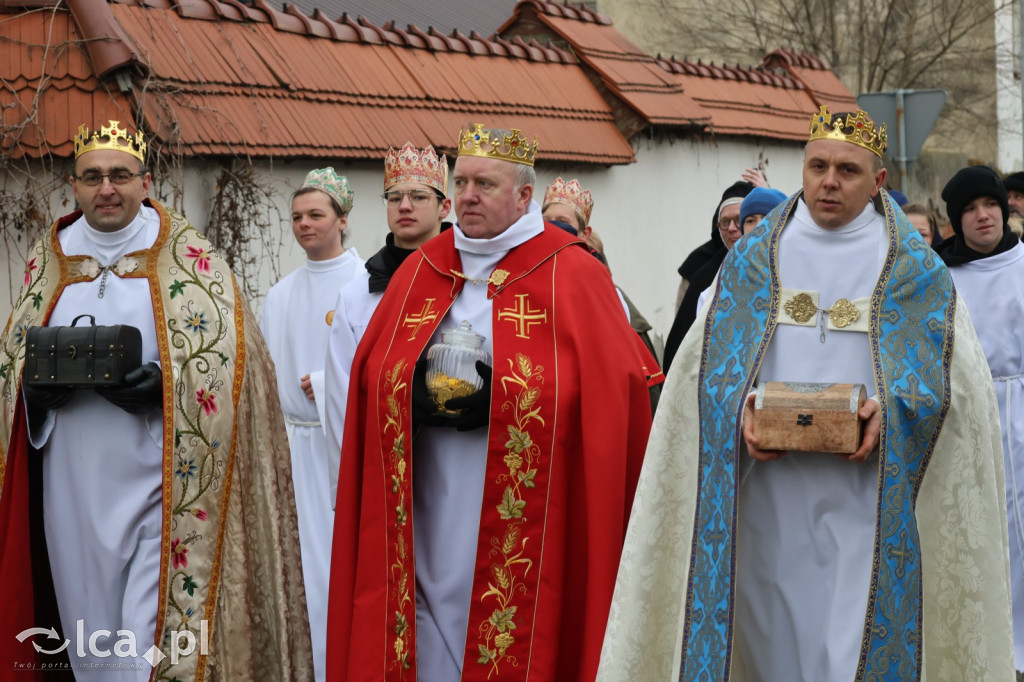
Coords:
pixel 412 165
pixel 111 137
pixel 857 129
pixel 334 185
pixel 571 194
pixel 507 145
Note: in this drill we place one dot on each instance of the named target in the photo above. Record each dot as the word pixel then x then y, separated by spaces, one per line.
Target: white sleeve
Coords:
pixel 341 350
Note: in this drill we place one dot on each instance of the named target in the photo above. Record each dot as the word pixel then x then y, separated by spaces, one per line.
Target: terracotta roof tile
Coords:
pixel 222 78
pixel 39 49
pixel 627 71
pixel 773 100
pixel 816 75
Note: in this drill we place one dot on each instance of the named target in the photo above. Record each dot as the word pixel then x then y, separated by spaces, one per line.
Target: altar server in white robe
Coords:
pixel 296 322
pixel 416 198
pixel 743 564
pixel 986 260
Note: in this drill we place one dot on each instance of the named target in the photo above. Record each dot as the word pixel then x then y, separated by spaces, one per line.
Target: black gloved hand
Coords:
pixel 476 407
pixel 50 398
pixel 142 390
pixel 424 409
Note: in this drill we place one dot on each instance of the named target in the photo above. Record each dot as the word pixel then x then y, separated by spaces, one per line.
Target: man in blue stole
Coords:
pixel 888 564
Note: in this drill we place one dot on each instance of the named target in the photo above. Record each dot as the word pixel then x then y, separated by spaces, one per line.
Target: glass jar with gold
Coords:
pixel 451 365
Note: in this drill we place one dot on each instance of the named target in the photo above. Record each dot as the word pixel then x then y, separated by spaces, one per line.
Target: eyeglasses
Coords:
pixel 724 223
pixel 417 197
pixel 118 177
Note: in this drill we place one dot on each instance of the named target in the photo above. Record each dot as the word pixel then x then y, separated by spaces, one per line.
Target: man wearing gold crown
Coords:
pixel 161 510
pixel 296 322
pixel 890 563
pixel 483 546
pixel 415 196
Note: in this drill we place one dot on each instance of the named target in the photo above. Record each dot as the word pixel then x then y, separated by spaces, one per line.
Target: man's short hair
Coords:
pixel 525 175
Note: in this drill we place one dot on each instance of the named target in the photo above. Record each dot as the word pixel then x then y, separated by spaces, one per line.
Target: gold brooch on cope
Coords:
pixel 329 318
pixel 801 308
pixel 497 277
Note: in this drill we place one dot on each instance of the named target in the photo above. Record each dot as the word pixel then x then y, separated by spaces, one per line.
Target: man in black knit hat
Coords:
pixel 986 261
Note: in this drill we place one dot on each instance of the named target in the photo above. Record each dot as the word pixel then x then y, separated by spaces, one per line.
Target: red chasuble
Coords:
pixel 570 415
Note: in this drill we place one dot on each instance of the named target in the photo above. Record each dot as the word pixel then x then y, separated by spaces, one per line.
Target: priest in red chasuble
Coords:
pixel 483 546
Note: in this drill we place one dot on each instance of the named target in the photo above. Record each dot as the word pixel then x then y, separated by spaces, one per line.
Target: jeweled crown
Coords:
pixel 571 194
pixel 857 129
pixel 412 165
pixel 336 186
pixel 111 136
pixel 507 145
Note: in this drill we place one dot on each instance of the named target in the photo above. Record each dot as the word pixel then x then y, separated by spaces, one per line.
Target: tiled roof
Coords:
pixel 772 100
pixel 47 88
pixel 746 101
pixel 482 16
pixel 816 75
pixel 624 69
pixel 221 77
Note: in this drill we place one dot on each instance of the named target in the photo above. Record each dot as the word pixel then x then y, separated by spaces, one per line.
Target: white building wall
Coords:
pixel 1008 85
pixel 649 214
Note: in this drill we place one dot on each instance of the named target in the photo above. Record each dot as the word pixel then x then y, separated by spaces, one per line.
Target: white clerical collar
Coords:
pixel 527 227
pixel 331 263
pixel 118 237
pixel 865 218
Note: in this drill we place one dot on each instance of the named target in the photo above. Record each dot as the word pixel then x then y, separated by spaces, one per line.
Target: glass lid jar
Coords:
pixel 451 365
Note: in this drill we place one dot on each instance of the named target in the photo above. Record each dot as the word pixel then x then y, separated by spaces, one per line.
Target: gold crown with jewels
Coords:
pixel 334 185
pixel 857 129
pixel 112 136
pixel 507 145
pixel 413 165
pixel 571 194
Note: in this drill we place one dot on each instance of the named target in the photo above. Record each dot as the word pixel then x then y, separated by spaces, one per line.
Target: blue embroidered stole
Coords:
pixel 911 340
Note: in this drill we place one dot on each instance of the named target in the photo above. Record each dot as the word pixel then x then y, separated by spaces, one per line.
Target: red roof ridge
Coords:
pixel 791 57
pixel 579 12
pixel 751 74
pixel 347 29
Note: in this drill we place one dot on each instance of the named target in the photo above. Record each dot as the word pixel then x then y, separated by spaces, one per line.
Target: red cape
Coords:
pixel 570 415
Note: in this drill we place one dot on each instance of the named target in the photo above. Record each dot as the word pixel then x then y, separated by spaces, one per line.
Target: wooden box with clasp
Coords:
pixel 808 417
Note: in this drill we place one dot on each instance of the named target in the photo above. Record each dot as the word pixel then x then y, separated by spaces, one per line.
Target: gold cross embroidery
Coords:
pixel 522 317
pixel 421 318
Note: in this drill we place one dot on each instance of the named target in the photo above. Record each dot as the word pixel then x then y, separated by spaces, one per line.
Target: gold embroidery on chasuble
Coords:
pixel 507 586
pixel 426 316
pixel 396 428
pixel 523 316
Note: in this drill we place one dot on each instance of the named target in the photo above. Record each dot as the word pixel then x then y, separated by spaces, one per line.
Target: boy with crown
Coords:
pixel 415 196
pixel 296 322
pixel 483 547
pixel 890 563
pixel 161 510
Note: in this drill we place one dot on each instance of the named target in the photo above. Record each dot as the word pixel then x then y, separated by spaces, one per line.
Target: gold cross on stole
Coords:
pixel 522 317
pixel 421 318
